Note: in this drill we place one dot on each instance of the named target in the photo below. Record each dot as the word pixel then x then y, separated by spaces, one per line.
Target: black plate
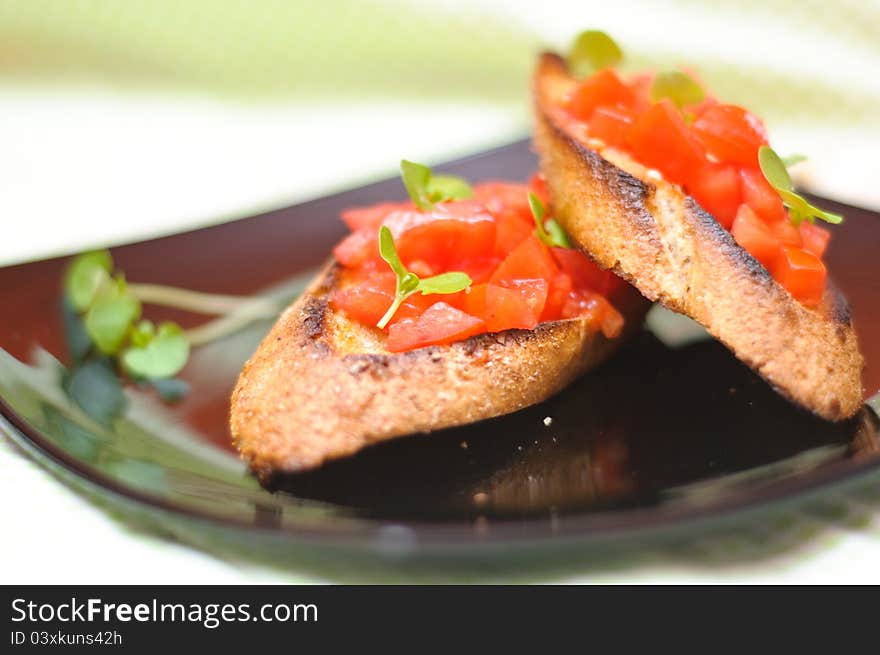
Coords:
pixel 673 434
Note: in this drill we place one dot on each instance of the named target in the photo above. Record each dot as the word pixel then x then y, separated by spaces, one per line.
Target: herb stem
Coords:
pixel 202 303
pixel 226 325
pixel 398 300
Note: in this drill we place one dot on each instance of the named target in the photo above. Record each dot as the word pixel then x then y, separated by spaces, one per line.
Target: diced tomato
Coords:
pixel 583 272
pixel 717 188
pixel 441 323
pixel 359 218
pixel 660 139
pixel 641 87
pixel 787 233
pixel 368 301
pixel 530 260
pixel 515 304
pixel 451 233
pixel 815 238
pixel 557 294
pixel 611 125
pixel 604 88
pixel 802 273
pixel 474 300
pixel 731 134
pixel 538 186
pixel 595 309
pixel 760 196
pixel 504 197
pixel 754 235
pixel 479 269
pixel 355 249
pixel 511 229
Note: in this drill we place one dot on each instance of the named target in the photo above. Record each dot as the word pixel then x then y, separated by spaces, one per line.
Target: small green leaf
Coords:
pixel 774 169
pixel 110 316
pixel 799 208
pixel 678 86
pixel 85 275
pixel 415 179
pixel 557 235
pixel 142 333
pixel 448 187
pixel 549 232
pixel 451 282
pixel 162 357
pixel 791 160
pixel 94 386
pixel 388 251
pixel 593 50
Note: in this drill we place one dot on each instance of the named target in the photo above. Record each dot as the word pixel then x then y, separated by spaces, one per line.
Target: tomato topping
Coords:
pixel 802 273
pixel 611 125
pixel 754 235
pixel 441 323
pixel 717 188
pixel 516 280
pixel 604 88
pixel 370 218
pixel 530 260
pixel 515 304
pixel 708 148
pixel 731 134
pixel 815 238
pixel 760 196
pixel 660 139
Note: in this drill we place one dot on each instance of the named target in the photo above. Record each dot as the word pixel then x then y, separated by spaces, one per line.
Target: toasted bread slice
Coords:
pixel 652 234
pixel 322 386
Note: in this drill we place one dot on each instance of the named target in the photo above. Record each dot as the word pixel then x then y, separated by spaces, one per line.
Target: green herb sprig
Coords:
pixel 110 309
pixel 427 188
pixel 409 283
pixel 775 172
pixel 678 86
pixel 593 50
pixel 548 231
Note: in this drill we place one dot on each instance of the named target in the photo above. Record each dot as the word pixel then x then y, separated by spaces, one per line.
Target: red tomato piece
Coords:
pixel 641 84
pixel 368 301
pixel 441 323
pixel 357 248
pixel 511 229
pixel 717 188
pixel 815 238
pixel 504 197
pixel 515 304
pixel 474 300
pixel 660 139
pixel 611 125
pixel 596 310
pixel 451 233
pixel 760 196
pixel 731 134
pixel 530 260
pixel 480 269
pixel 604 88
pixel 801 273
pixel 557 294
pixel 359 218
pixel 583 272
pixel 787 233
pixel 754 235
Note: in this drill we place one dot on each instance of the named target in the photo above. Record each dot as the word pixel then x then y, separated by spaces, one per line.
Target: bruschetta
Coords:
pixel 327 381
pixel 672 197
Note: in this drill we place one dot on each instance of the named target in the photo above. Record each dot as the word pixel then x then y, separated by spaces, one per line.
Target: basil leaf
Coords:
pixel 388 252
pixel 142 333
pixel 415 179
pixel 557 235
pixel 593 50
pixel 538 210
pixel 109 318
pixel 448 187
pixel 549 232
pixel 162 357
pixel 85 275
pixel 774 169
pixel 452 282
pixel 678 86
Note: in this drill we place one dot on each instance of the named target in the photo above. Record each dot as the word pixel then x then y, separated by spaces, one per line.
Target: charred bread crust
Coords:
pixel 321 386
pixel 660 240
